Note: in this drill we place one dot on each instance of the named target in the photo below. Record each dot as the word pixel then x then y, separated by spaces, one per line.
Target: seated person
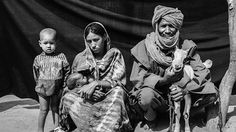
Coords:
pixel 152 75
pixel 98 105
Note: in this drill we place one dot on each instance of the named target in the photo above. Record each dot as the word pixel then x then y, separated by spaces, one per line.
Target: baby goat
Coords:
pixel 178 64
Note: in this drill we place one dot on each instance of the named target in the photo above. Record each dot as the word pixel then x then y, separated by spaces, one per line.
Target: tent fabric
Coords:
pixel 128 22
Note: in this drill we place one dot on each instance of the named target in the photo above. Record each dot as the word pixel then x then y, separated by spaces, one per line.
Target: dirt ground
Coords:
pixel 20 115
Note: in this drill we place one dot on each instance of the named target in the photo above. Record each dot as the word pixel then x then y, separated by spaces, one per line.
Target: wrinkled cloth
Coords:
pixel 146 73
pixel 172 15
pixel 50 73
pixel 108 114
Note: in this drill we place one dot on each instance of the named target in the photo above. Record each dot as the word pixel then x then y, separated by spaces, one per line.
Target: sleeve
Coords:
pixel 74 64
pixel 66 70
pixel 35 70
pixel 140 77
pixel 201 74
pixel 117 74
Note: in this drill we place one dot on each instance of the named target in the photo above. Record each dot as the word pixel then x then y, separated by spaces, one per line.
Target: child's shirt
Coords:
pixel 50 72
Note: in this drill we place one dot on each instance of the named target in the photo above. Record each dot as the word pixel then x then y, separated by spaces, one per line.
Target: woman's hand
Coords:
pixel 177 93
pixel 97 94
pixel 86 91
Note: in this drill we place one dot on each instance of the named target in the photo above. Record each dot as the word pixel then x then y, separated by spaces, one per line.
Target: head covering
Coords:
pixel 172 15
pixel 85 62
pixel 155 43
pixel 107 38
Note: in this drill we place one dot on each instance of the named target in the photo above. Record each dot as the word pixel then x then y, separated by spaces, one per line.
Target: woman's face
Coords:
pixel 166 29
pixel 95 42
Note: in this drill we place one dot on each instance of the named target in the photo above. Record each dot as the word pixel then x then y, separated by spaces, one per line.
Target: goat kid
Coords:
pixel 178 64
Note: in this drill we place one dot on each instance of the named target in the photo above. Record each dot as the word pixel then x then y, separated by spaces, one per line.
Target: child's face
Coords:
pixel 47 43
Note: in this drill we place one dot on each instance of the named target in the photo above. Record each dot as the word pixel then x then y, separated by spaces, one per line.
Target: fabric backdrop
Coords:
pixel 127 21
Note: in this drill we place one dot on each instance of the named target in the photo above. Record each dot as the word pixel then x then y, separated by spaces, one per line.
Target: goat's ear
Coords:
pixel 191 51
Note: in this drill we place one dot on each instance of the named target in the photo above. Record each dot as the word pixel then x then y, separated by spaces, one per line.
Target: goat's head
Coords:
pixel 178 60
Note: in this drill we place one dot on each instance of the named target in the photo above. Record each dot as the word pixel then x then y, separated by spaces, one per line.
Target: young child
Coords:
pixel 50 70
pixel 77 80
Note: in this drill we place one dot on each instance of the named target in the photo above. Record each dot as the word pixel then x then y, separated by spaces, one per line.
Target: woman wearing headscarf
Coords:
pixel 151 74
pixel 98 105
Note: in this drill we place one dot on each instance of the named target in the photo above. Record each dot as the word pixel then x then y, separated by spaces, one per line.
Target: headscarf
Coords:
pixel 106 67
pixel 107 38
pixel 172 15
pixel 155 42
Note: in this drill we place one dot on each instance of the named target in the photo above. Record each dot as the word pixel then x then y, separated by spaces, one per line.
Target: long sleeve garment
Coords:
pixel 50 73
pixel 147 73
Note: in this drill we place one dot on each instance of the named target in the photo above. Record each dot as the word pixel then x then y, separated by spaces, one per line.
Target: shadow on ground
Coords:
pixel 29 104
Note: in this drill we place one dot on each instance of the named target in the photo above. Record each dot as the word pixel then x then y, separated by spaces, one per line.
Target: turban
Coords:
pixel 172 15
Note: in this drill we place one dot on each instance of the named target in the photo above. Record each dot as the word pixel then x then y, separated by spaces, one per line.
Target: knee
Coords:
pixel 145 98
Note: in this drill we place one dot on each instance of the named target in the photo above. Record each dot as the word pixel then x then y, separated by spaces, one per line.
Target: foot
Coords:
pixel 144 128
pixel 187 129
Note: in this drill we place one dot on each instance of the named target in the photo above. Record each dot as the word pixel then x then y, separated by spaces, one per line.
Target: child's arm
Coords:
pixel 35 70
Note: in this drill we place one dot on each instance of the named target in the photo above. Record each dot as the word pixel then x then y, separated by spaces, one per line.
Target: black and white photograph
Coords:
pixel 118 66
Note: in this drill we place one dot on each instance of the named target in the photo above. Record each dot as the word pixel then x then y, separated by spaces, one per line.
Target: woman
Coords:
pixel 98 106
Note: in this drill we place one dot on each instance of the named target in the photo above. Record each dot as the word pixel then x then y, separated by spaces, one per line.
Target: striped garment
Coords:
pixel 50 71
pixel 108 114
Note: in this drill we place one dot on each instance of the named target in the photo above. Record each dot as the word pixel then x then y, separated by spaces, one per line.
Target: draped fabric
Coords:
pixel 109 113
pixel 128 22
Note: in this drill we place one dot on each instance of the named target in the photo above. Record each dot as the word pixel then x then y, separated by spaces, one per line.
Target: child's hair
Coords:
pixel 48 31
pixel 75 79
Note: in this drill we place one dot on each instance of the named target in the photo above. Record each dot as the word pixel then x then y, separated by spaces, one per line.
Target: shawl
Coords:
pixel 110 68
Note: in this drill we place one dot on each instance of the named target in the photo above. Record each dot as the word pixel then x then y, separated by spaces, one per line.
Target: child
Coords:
pixel 77 80
pixel 50 70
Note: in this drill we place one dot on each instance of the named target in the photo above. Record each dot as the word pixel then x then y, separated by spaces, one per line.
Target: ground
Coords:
pixel 20 115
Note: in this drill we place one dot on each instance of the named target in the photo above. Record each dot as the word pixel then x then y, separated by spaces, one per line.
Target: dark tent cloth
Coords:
pixel 128 22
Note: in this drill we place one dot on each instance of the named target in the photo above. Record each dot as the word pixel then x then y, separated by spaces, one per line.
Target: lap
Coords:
pixel 90 114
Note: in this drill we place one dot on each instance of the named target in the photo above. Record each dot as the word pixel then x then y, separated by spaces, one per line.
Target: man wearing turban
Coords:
pixel 151 74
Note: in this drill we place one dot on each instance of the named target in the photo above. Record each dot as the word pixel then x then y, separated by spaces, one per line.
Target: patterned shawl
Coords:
pixel 110 68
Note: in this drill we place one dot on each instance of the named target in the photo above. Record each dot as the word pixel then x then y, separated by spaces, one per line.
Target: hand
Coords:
pixel 177 93
pixel 97 94
pixel 172 76
pixel 86 91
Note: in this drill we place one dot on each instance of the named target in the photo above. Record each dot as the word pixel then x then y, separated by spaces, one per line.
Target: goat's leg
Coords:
pixel 177 116
pixel 186 115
